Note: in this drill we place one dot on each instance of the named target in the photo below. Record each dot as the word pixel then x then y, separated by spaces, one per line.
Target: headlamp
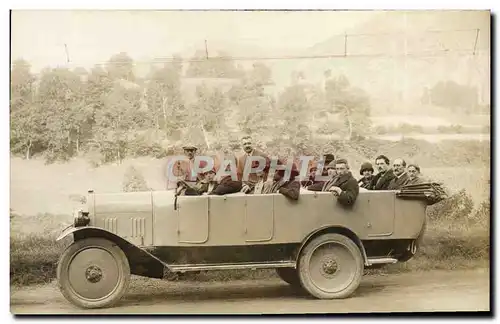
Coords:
pixel 81 218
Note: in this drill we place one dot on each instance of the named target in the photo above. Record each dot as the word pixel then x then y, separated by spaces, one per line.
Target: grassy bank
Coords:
pixel 457 237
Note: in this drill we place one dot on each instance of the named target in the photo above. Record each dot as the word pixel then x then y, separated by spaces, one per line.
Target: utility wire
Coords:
pixel 432 53
pixel 423 54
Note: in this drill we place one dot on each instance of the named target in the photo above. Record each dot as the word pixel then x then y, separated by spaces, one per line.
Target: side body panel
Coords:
pixel 152 218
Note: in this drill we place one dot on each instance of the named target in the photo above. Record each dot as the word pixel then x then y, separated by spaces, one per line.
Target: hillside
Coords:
pixel 396 83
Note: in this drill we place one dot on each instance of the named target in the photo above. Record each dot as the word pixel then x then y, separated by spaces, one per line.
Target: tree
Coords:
pixel 220 66
pixel 121 66
pixel 451 95
pixel 164 98
pixel 260 74
pixel 294 108
pixel 25 124
pixel 252 104
pixel 116 122
pixel 352 103
pixel 61 103
pixel 209 109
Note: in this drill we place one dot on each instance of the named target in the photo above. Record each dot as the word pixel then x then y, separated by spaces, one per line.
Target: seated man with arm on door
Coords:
pixel 289 188
pixel 345 186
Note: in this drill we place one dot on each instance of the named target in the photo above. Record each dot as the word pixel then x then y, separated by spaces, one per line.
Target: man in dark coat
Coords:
pixel 289 188
pixel 384 176
pixel 401 176
pixel 248 150
pixel 343 185
pixel 226 186
pixel 325 185
pixel 210 186
pixel 414 176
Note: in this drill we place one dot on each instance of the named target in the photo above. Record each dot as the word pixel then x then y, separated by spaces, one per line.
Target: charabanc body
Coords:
pixel 314 242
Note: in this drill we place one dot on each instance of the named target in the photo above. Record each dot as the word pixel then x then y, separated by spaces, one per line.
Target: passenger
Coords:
pixel 325 185
pixel 327 160
pixel 384 176
pixel 190 184
pixel 248 150
pixel 289 188
pixel 367 175
pixel 401 176
pixel 209 185
pixel 205 185
pixel 225 185
pixel 185 170
pixel 258 187
pixel 414 176
pixel 344 186
pixel 311 176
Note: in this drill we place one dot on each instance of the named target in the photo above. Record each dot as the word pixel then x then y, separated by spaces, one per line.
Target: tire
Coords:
pixel 93 273
pixel 289 275
pixel 331 267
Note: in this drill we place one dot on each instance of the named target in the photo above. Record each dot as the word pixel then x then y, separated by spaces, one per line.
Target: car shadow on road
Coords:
pixel 152 295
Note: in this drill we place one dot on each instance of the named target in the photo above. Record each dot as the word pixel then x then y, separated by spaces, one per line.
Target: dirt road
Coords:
pixel 419 291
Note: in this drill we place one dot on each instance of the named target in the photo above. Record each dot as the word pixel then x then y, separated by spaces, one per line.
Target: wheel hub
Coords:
pixel 93 274
pixel 330 267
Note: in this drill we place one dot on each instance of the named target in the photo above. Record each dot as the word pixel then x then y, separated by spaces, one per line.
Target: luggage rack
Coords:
pixel 431 192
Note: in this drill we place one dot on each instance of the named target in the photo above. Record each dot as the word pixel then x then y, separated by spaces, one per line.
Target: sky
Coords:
pixel 93 36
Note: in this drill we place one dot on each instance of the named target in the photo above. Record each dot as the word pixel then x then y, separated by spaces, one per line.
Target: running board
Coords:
pixel 372 261
pixel 231 266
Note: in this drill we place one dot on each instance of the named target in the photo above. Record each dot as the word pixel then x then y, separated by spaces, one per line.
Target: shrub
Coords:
pixel 482 215
pixel 33 258
pixel 134 181
pixel 455 210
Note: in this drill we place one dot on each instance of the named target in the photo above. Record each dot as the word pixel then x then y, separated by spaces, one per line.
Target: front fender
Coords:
pixel 71 229
pixel 142 262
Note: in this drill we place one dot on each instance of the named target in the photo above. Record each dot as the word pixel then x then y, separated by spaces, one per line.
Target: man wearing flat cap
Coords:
pixel 329 171
pixel 186 169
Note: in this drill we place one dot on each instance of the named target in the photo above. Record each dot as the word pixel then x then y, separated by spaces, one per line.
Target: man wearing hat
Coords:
pixel 313 168
pixel 259 186
pixel 186 170
pixel 288 188
pixel 329 171
pixel 367 175
pixel 210 185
